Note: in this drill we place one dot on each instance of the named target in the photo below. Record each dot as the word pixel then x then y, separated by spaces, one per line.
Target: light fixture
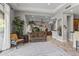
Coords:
pixel 67 7
pixel 48 3
pixel 71 10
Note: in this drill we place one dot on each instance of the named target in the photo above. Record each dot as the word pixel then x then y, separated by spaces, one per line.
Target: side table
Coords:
pixel 25 37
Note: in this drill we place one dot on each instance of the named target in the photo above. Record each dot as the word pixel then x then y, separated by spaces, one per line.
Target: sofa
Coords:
pixel 37 36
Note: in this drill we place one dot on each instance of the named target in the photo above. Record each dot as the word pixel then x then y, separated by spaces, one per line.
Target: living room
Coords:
pixel 32 21
pixel 36 25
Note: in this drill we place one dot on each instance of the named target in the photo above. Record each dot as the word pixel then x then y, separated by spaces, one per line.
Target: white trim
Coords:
pixel 59 7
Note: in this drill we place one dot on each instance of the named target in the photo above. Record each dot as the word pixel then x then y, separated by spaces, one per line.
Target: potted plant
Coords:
pixel 18 26
pixel 36 29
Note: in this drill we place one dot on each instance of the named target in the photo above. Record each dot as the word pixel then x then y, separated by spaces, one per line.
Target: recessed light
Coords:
pixel 71 10
pixel 48 3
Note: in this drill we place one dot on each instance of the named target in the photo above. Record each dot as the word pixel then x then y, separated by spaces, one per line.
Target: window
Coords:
pixel 1 25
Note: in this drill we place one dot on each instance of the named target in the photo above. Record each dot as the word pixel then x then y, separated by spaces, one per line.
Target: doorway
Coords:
pixel 68 27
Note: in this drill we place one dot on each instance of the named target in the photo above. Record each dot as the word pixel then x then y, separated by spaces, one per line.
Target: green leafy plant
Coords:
pixel 36 29
pixel 31 22
pixel 18 26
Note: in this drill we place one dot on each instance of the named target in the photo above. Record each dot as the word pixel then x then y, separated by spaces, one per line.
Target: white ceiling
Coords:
pixel 48 8
pixel 74 10
pixel 37 7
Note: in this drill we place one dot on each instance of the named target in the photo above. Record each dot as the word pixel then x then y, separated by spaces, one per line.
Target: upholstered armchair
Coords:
pixel 15 40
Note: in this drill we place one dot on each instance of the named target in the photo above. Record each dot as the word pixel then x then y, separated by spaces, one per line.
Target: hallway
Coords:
pixel 36 49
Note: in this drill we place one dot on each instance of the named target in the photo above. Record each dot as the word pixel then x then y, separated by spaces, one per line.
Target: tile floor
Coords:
pixel 43 49
pixel 67 46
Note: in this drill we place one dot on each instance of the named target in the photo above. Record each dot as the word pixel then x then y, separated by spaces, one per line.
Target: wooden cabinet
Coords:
pixel 76 24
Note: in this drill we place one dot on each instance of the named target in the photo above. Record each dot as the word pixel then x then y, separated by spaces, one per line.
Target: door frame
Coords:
pixel 65 27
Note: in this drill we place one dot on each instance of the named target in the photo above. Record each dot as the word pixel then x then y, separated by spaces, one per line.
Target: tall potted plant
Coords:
pixel 18 26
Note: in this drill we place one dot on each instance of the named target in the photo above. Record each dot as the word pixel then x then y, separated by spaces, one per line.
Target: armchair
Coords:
pixel 15 40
